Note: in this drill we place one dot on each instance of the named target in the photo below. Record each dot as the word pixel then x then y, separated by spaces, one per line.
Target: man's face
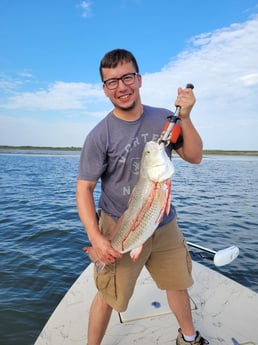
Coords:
pixel 124 97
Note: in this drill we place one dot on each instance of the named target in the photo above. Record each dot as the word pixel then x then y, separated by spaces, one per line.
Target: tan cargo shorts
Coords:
pixel 165 255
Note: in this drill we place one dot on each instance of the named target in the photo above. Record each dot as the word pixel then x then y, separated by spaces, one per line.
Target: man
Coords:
pixel 111 153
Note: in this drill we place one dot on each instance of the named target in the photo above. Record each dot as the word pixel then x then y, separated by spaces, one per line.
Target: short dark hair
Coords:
pixel 116 56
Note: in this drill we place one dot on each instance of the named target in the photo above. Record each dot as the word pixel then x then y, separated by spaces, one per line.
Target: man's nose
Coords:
pixel 121 84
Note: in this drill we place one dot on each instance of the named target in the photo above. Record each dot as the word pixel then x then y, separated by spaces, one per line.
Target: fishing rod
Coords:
pixel 170 133
pixel 172 130
pixel 221 257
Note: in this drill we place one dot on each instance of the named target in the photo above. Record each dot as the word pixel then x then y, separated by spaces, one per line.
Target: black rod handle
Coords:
pixel 189 86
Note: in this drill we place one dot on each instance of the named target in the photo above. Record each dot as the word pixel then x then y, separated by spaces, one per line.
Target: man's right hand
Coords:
pixel 104 250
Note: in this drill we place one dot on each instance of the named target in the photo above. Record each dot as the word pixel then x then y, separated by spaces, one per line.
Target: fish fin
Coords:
pixel 99 265
pixel 135 253
pixel 168 201
pixel 164 198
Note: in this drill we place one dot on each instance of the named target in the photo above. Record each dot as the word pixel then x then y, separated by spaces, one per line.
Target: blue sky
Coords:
pixel 50 90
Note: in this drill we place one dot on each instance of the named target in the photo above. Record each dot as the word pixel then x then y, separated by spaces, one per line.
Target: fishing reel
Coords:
pixel 173 134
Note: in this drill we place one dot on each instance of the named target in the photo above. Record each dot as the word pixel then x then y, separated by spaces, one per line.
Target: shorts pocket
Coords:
pixel 188 259
pixel 106 281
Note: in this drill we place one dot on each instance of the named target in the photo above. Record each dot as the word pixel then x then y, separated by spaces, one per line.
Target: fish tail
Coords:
pixel 99 265
pixel 135 253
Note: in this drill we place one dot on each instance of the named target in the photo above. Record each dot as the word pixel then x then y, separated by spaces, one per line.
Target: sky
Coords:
pixel 50 89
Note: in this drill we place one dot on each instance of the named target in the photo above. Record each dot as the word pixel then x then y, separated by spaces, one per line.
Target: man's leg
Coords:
pixel 179 303
pixel 99 317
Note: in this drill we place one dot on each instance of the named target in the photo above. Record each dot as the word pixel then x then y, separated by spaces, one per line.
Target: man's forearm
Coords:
pixel 191 150
pixel 86 210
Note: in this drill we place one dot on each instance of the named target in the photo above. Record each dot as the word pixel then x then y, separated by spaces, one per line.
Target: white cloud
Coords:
pixel 86 8
pixel 58 96
pixel 26 74
pixel 250 79
pixel 8 84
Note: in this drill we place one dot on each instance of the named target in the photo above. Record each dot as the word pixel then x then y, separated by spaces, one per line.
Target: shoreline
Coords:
pixel 72 148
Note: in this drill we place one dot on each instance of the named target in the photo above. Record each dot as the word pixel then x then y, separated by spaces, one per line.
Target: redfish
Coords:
pixel 148 202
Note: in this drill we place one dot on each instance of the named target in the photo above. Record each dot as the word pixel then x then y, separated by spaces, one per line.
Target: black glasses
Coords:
pixel 127 79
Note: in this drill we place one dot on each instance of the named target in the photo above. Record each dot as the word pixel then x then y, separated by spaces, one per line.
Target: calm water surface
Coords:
pixel 41 237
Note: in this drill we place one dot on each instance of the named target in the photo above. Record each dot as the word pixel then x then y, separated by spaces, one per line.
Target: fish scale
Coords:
pixel 135 231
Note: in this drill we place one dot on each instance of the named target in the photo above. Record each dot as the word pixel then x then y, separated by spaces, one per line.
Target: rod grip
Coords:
pixel 189 86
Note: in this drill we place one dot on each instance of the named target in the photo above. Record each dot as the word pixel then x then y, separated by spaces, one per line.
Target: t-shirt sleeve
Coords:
pixel 93 160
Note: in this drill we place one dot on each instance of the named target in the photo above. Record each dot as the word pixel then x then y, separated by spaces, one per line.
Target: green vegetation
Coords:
pixel 230 153
pixel 72 148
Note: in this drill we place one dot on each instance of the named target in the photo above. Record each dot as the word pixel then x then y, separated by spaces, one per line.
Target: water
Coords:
pixel 42 238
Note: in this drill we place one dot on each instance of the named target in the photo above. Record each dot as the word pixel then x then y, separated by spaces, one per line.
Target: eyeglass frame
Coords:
pixel 134 74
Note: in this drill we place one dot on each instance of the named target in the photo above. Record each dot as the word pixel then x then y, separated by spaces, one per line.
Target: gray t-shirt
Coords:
pixel 112 152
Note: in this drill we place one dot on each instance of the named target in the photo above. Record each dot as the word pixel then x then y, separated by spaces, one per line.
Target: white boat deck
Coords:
pixel 222 310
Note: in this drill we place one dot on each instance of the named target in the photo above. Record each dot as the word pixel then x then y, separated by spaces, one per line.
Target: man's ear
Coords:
pixel 139 77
